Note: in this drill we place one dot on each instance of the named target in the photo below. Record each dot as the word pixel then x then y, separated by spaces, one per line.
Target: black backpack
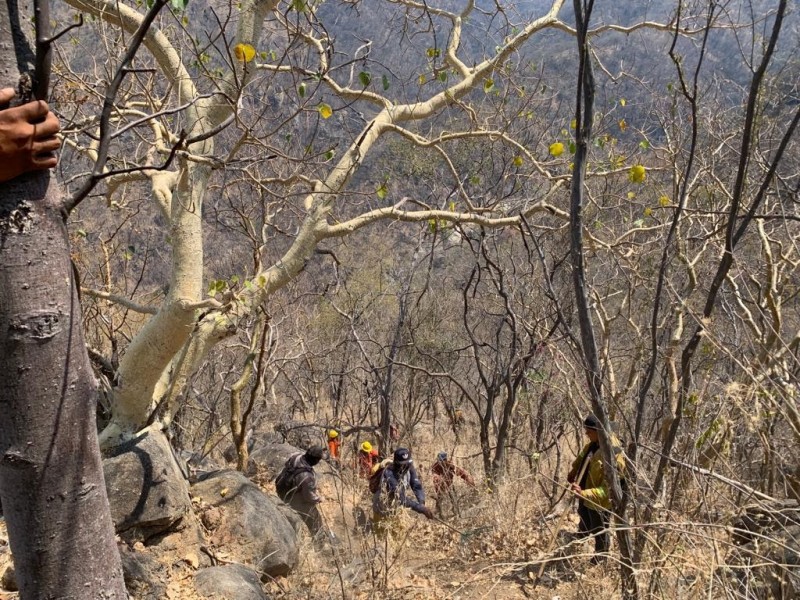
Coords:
pixel 285 481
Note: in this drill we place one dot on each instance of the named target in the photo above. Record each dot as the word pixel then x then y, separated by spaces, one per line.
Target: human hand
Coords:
pixel 575 488
pixel 27 137
pixel 427 512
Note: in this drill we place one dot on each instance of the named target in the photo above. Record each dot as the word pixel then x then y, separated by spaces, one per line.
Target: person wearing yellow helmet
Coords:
pixel 334 446
pixel 365 460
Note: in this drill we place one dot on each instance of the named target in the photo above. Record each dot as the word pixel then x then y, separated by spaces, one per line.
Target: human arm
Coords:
pixel 308 489
pixel 27 137
pixel 465 476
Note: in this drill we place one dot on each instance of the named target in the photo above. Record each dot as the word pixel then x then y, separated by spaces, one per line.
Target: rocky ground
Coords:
pixel 203 532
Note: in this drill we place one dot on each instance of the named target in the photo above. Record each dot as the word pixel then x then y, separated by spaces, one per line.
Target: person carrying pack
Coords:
pixel 398 486
pixel 296 485
pixel 592 489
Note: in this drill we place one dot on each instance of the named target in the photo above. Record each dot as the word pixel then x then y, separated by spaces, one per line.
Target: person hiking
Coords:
pixel 296 485
pixel 334 446
pixel 400 486
pixel 444 472
pixel 592 490
pixel 366 459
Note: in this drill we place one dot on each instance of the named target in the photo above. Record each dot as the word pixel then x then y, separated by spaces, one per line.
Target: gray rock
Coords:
pixel 300 434
pixel 269 459
pixel 9 579
pixel 146 489
pixel 229 582
pixel 145 577
pixel 254 441
pixel 251 527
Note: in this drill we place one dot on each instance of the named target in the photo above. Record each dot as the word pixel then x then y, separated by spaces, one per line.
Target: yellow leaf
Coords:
pixel 622 125
pixel 325 111
pixel 244 52
pixel 573 124
pixel 223 492
pixel 648 212
pixel 622 102
pixel 422 79
pixel 637 174
pixel 556 149
pixel 518 161
pixel 663 201
pixel 631 195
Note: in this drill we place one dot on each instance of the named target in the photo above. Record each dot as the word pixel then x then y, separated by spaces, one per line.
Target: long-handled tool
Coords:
pixel 586 460
pixel 464 535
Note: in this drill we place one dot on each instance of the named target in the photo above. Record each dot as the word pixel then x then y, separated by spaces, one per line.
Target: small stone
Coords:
pixel 192 560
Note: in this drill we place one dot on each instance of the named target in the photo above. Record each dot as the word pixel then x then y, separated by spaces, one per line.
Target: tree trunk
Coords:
pixel 51 477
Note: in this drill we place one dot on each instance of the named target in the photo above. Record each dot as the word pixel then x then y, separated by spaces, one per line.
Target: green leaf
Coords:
pixel 301 90
pixel 81 233
pixel 572 147
pixel 385 81
pixel 382 191
pixel 216 286
pixel 330 154
pixel 488 85
pixel 442 76
pixel 644 145
pixel 299 5
pixel 234 280
pixel 365 78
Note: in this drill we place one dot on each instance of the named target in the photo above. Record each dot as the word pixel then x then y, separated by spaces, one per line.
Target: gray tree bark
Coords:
pixel 51 477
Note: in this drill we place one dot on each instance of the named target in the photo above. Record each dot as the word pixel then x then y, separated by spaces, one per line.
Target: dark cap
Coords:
pixel 402 456
pixel 591 422
pixel 316 452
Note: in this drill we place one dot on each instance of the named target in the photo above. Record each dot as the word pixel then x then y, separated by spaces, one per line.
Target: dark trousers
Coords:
pixel 594 523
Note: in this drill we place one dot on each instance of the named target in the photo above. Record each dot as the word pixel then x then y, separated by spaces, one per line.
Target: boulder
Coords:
pixel 195 465
pixel 229 581
pixel 269 461
pixel 270 458
pixel 145 577
pixel 254 441
pixel 301 434
pixel 249 527
pixel 146 488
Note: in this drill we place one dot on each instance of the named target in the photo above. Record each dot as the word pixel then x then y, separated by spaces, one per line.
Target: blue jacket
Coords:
pixel 397 490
